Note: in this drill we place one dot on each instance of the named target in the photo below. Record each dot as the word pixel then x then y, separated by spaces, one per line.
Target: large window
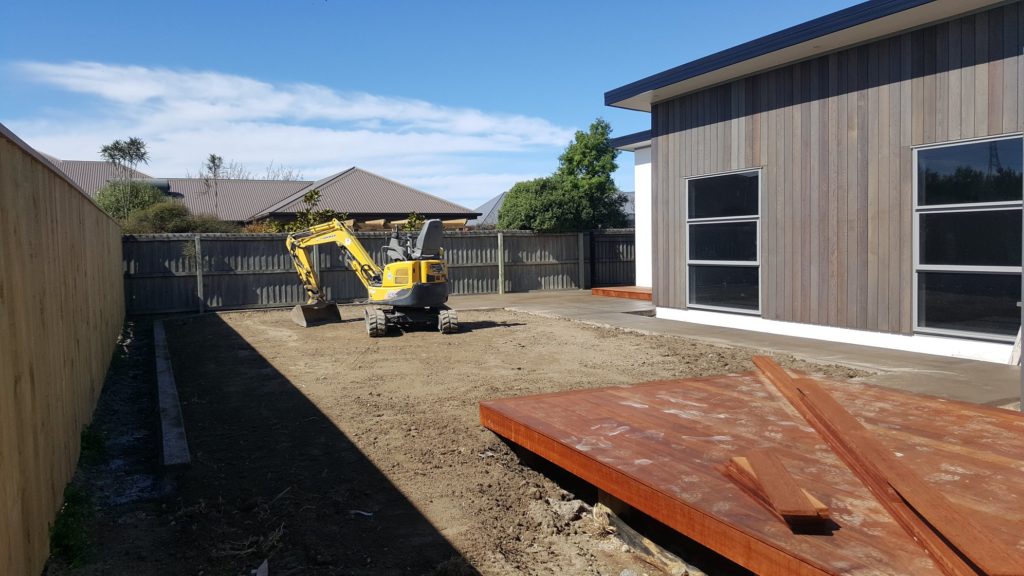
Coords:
pixel 967 206
pixel 722 231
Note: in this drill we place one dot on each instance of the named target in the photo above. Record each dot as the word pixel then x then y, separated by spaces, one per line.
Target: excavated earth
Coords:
pixel 326 452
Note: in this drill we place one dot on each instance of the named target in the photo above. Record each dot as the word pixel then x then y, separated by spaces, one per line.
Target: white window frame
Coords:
pixel 951 209
pixel 718 220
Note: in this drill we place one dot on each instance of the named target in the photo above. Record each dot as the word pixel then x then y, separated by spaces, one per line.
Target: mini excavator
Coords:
pixel 411 290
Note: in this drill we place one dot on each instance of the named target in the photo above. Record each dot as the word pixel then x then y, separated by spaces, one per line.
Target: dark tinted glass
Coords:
pixel 989 238
pixel 977 172
pixel 984 303
pixel 718 196
pixel 724 241
pixel 725 286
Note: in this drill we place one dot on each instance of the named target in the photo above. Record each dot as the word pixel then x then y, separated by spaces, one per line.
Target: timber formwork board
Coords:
pixel 630 292
pixel 661 447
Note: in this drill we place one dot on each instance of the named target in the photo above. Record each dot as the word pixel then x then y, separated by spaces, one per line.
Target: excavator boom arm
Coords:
pixel 299 245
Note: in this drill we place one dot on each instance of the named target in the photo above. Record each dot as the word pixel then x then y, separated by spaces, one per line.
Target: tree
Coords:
pixel 580 195
pixel 310 215
pixel 120 199
pixel 211 173
pixel 282 172
pixel 125 155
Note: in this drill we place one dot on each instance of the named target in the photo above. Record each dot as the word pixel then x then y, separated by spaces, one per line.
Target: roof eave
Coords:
pixel 848 27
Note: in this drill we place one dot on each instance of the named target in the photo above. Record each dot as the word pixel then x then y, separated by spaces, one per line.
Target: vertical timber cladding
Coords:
pixel 835 137
pixel 61 308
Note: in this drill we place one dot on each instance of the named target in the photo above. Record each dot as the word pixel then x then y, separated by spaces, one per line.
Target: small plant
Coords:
pixel 413 223
pixel 69 535
pixel 310 215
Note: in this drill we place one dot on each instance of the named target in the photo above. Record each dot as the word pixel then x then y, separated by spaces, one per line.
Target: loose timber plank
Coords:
pixel 899 488
pixel 780 487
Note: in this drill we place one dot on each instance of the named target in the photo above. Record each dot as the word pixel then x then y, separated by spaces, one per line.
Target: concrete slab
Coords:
pixel 954 378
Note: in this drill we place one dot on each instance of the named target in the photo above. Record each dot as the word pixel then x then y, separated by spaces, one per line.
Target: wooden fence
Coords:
pixel 254 270
pixel 61 309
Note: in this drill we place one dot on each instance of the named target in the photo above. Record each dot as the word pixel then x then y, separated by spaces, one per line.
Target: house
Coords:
pixel 362 195
pixel 855 178
pixel 91 175
pixel 366 197
pixel 488 217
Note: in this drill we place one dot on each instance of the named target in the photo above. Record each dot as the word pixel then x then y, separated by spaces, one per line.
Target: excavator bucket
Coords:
pixel 307 315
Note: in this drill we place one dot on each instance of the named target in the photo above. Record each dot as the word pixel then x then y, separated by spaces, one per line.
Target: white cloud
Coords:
pixel 185 115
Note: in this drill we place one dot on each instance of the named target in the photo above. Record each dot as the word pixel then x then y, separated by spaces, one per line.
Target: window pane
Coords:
pixel 989 238
pixel 725 286
pixel 984 303
pixel 728 195
pixel 976 172
pixel 724 241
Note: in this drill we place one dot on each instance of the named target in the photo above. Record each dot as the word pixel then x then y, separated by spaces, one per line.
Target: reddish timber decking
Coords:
pixel 631 292
pixel 660 447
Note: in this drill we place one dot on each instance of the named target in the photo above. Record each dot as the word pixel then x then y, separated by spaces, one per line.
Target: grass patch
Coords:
pixel 69 535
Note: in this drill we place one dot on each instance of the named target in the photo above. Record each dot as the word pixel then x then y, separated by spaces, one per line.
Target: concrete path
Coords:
pixel 968 380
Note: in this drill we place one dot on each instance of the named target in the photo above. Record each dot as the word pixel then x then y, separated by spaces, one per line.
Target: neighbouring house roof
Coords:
pixel 488 212
pixel 235 200
pixel 362 194
pixel 91 175
pixel 851 26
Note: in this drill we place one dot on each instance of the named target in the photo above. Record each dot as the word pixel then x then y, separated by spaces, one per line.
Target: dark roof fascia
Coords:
pixel 630 139
pixel 846 18
pixel 393 215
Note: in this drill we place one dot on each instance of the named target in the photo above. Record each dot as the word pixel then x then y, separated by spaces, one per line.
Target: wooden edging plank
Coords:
pixel 172 424
pixel 716 534
pixel 949 534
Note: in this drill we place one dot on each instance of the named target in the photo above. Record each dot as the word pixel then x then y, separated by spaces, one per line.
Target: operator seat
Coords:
pixel 428 243
pixel 394 249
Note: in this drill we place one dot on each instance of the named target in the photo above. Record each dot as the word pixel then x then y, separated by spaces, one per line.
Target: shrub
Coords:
pixel 120 200
pixel 158 218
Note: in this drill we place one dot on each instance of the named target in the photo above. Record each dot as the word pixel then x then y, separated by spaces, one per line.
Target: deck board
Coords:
pixel 660 447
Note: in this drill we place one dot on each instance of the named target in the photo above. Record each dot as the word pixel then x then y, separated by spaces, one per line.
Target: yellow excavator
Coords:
pixel 411 290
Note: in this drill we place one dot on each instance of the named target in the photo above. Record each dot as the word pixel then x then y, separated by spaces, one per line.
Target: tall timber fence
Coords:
pixel 61 309
pixel 197 272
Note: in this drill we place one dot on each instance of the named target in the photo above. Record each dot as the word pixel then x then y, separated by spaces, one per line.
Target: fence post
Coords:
pixel 199 274
pixel 501 263
pixel 581 250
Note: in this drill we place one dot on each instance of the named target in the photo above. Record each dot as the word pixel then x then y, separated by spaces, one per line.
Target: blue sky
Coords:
pixel 460 99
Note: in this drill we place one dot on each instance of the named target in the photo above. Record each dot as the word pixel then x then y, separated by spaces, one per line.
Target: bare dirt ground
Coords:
pixel 332 453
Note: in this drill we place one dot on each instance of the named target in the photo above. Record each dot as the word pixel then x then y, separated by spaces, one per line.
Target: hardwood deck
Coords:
pixel 661 448
pixel 631 292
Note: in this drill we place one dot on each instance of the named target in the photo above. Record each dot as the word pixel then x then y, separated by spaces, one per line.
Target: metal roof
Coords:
pixel 236 200
pixel 359 193
pixel 91 175
pixel 854 25
pixel 488 212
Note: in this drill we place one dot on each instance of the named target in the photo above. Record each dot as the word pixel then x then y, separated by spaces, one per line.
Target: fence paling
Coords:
pixel 232 271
